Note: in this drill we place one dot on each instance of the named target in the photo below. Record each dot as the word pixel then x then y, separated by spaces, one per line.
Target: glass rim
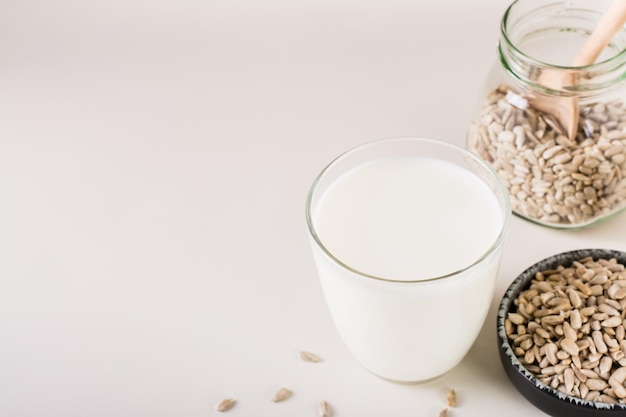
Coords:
pixel 495 245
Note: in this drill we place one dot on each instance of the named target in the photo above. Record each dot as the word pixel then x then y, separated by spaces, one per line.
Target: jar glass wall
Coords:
pixel 555 177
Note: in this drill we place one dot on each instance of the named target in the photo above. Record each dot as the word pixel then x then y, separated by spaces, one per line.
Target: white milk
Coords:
pixel 408 219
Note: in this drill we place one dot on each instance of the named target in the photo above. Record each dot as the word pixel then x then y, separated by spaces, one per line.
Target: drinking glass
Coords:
pixel 407 236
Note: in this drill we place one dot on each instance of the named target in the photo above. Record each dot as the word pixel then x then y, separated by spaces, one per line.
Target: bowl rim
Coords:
pixel 515 288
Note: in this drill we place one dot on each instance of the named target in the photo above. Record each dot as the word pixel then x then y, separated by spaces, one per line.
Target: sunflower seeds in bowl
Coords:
pixel 561 333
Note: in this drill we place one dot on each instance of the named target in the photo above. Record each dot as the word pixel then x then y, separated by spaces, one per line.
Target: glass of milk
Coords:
pixel 407 237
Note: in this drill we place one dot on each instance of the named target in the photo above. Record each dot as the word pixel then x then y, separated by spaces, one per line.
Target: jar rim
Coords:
pixel 600 75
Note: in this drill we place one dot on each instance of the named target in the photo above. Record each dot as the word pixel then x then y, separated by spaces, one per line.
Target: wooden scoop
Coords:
pixel 565 109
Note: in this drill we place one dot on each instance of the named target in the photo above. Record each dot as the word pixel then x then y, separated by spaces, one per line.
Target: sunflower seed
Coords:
pixel 323 409
pixel 570 347
pixel 281 395
pixel 225 405
pixel 452 398
pixel 309 357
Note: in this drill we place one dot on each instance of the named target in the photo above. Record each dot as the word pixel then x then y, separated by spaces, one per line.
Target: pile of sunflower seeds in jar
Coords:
pixel 551 179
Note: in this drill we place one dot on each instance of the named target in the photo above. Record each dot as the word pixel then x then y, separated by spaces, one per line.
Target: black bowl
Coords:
pixel 547 399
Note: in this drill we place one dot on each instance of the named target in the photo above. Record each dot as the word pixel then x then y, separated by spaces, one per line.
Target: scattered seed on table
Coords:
pixel 281 395
pixel 452 398
pixel 323 409
pixel 309 357
pixel 225 405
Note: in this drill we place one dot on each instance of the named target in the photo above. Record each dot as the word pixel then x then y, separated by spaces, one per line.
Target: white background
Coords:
pixel 154 161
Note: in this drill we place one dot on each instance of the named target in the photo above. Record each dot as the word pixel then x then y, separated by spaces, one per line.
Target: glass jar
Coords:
pixel 555 178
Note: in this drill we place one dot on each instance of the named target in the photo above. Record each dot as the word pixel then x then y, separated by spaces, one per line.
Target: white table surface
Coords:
pixel 154 162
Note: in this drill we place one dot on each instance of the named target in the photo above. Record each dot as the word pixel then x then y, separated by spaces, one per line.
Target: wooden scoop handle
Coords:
pixel 612 20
